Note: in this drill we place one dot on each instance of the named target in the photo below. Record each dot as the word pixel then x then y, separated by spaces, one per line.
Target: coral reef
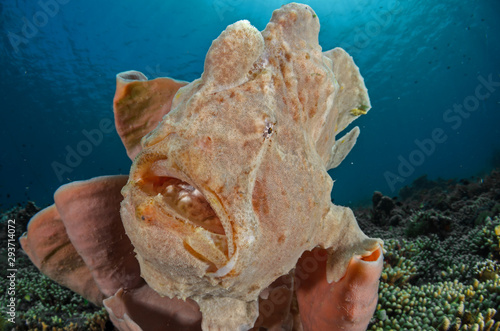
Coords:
pixel 429 282
pixel 41 303
pixel 442 259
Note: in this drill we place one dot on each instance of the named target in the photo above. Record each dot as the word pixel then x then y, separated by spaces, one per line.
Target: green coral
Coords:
pixel 425 222
pixel 42 304
pixel 447 304
pixel 442 261
pixel 486 240
pixel 488 213
pixel 433 283
pixel 398 270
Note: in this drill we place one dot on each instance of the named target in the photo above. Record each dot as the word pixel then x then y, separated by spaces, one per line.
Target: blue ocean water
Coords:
pixel 431 67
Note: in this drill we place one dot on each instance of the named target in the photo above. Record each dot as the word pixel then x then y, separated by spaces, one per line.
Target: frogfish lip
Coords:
pixel 169 198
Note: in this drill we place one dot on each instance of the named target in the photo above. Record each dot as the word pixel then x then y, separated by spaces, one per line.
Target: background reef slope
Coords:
pixel 441 268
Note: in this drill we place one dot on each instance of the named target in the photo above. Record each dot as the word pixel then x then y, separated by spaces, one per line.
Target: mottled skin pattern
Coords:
pixel 232 186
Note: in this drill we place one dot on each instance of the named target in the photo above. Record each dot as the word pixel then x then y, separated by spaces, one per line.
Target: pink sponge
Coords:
pixel 347 304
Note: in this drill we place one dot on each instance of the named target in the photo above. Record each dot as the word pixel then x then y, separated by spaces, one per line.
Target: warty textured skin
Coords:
pixel 232 186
